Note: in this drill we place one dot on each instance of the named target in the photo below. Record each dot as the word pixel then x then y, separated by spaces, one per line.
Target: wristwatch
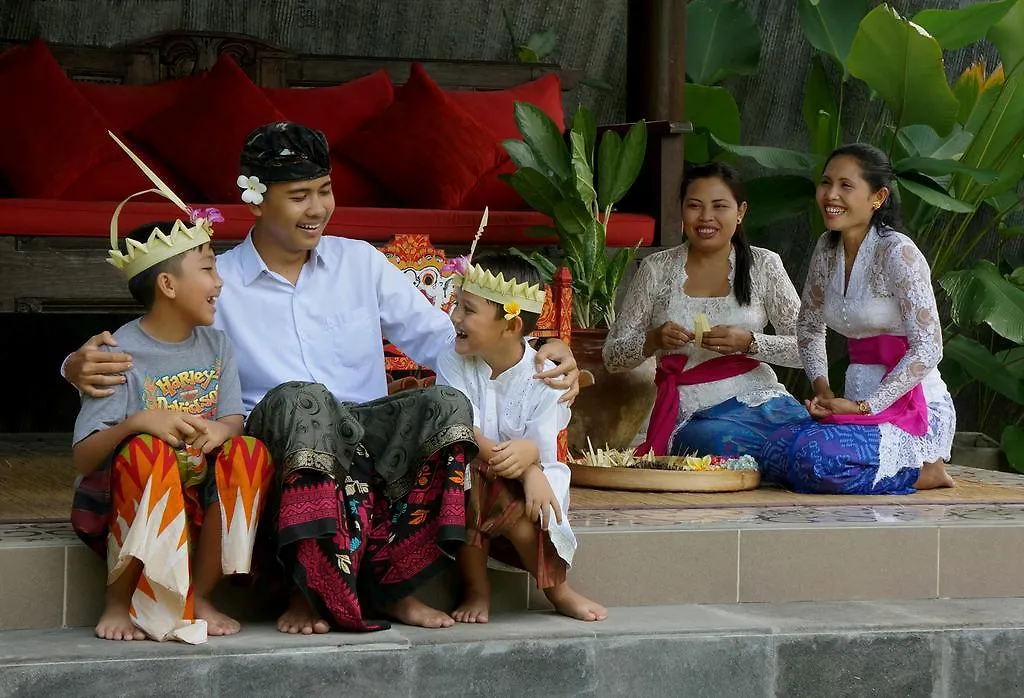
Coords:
pixel 864 407
pixel 753 348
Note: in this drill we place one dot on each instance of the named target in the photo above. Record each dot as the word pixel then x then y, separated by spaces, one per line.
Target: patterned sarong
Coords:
pixel 370 496
pixel 138 508
pixel 493 506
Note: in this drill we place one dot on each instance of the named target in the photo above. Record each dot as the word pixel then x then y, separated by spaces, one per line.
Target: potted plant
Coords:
pixel 577 182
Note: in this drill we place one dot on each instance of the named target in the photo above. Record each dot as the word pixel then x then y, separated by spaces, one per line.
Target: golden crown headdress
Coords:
pixel 160 246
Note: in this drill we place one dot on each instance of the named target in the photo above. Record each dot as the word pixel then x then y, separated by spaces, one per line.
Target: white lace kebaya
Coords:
pixel 889 292
pixel 656 295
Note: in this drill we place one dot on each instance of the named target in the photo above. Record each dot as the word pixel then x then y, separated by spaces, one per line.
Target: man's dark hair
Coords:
pixel 512 267
pixel 142 286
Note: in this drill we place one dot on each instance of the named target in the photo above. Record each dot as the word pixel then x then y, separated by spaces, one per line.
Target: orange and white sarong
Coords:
pixel 153 518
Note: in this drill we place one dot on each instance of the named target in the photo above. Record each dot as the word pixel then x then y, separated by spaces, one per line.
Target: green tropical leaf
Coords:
pixel 998 141
pixel 1013 359
pixel 521 154
pixel 936 167
pixel 537 190
pixel 1012 443
pixel 830 26
pixel 933 195
pixel 542 43
pixel 1008 36
pixel 544 266
pixel 985 368
pixel 541 231
pixel 583 123
pixel 609 152
pixel 630 162
pixel 775 198
pixel 722 39
pixel 572 218
pixel 967 89
pixel 954 376
pixel 713 109
pixel 583 177
pixel 957 28
pixel 980 295
pixel 1010 232
pixel 904 66
pixel 918 140
pixel 821 112
pixel 544 138
pixel 774 158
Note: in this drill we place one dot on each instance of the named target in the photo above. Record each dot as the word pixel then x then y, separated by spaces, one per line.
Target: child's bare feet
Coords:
pixel 412 611
pixel 569 603
pixel 116 624
pixel 300 618
pixel 475 606
pixel 217 623
pixel 933 475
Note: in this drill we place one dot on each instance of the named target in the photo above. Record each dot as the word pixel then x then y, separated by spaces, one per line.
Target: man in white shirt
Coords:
pixel 368 492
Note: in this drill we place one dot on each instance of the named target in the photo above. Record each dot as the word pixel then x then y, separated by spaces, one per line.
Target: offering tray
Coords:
pixel 666 473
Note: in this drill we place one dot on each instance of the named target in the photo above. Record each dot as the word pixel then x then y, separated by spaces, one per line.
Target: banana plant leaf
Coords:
pixel 904 66
pixel 956 28
pixel 830 26
pixel 1012 443
pixel 998 142
pixel 1008 36
pixel 918 140
pixel 982 295
pixel 821 112
pixel 967 88
pixel 931 193
pixel 985 368
pixel 710 109
pixel 940 167
pixel 773 158
pixel 722 39
pixel 777 197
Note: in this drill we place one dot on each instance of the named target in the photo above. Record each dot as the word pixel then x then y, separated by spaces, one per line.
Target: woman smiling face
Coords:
pixel 845 198
pixel 711 214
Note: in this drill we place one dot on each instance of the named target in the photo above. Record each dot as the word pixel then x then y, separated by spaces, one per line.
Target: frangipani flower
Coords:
pixel 511 309
pixel 252 189
pixel 456 265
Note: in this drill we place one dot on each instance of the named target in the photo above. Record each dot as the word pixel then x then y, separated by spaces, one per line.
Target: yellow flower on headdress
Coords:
pixel 511 309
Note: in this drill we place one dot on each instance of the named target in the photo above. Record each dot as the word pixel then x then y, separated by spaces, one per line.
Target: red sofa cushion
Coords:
pixel 92 219
pixel 52 135
pixel 117 177
pixel 495 110
pixel 201 135
pixel 424 148
pixel 126 106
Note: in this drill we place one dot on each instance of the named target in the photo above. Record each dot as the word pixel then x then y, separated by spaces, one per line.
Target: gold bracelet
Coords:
pixel 863 407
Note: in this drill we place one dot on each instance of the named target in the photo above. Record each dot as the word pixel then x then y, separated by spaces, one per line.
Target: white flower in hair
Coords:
pixel 252 189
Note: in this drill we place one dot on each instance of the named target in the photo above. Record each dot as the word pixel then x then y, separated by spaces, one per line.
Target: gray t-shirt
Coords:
pixel 197 376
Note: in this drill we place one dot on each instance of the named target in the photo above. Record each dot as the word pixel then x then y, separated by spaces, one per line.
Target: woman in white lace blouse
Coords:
pixel 871 284
pixel 718 396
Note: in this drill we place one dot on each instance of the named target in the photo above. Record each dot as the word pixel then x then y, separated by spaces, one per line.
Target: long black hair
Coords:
pixel 744 257
pixel 876 170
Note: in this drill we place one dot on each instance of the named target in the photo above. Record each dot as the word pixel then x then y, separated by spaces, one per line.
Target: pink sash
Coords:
pixel 910 412
pixel 670 375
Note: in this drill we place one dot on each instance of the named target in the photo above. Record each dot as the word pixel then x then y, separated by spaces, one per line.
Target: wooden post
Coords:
pixel 655 90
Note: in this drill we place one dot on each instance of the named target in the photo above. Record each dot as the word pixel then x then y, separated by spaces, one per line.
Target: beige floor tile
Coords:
pixel 31 587
pixel 980 561
pixel 846 564
pixel 645 569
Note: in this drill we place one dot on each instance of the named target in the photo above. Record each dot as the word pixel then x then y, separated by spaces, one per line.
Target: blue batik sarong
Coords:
pixel 732 429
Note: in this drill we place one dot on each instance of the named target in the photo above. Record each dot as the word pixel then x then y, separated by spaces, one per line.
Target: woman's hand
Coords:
pixel 727 339
pixel 822 389
pixel 558 353
pixel 820 408
pixel 668 337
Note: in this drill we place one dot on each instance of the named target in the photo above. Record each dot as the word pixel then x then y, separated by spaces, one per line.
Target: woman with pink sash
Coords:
pixel 893 430
pixel 719 397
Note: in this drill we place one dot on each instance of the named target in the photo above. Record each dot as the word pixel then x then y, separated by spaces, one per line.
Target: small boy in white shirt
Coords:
pixel 517 490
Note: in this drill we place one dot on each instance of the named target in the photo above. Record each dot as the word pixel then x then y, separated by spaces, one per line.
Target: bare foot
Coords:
pixel 300 618
pixel 475 607
pixel 116 624
pixel 569 603
pixel 933 475
pixel 412 611
pixel 217 623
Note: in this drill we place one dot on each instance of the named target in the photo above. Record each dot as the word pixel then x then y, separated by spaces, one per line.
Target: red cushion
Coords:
pixel 52 135
pixel 126 106
pixel 117 177
pixel 338 111
pixel 92 219
pixel 495 111
pixel 424 148
pixel 201 136
pixel 353 187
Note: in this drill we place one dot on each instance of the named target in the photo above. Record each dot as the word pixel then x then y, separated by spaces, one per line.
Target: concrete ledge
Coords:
pixel 917 648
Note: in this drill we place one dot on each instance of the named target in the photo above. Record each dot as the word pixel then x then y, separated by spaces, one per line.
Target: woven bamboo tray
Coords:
pixel 649 480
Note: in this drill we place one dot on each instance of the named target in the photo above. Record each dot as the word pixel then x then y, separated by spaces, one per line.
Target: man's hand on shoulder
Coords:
pixel 565 375
pixel 91 369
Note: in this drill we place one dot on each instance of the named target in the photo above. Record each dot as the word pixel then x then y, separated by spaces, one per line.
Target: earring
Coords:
pixel 738 221
pixel 877 205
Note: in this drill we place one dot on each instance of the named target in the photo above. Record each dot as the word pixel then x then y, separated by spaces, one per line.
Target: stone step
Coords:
pixel 836 649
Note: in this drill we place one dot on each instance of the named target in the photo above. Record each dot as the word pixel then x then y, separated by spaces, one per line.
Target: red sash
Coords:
pixel 670 375
pixel 910 412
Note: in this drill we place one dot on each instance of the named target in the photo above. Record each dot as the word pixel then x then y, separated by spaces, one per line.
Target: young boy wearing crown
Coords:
pixel 165 472
pixel 517 490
